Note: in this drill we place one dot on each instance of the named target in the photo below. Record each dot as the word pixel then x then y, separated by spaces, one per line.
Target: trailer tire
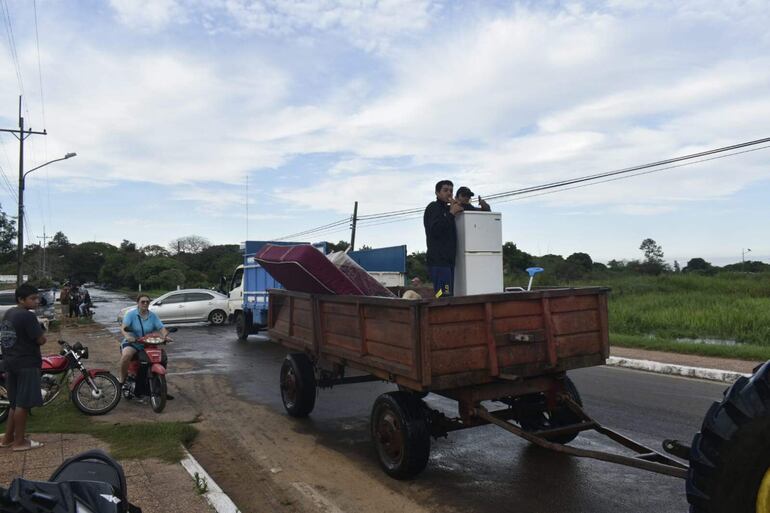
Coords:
pixel 400 434
pixel 730 456
pixel 562 416
pixel 298 385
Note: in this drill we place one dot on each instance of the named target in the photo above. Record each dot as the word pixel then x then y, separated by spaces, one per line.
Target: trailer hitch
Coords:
pixel 677 448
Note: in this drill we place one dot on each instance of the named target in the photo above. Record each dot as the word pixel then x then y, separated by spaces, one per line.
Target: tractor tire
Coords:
pixel 730 456
pixel 400 433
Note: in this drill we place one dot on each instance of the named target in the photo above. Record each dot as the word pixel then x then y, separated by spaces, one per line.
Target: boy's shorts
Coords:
pixel 24 388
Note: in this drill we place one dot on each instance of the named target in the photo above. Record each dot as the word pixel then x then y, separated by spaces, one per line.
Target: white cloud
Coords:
pixel 147 14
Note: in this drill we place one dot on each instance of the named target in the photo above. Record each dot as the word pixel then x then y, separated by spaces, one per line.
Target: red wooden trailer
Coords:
pixel 503 357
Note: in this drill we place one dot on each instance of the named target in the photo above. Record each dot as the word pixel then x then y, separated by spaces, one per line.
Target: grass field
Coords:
pixel 652 312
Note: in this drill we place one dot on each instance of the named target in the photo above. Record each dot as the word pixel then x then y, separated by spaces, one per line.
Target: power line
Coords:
pixel 12 43
pixel 629 172
pixel 316 229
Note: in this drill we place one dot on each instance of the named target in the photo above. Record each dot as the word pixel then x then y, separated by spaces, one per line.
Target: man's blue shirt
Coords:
pixel 140 327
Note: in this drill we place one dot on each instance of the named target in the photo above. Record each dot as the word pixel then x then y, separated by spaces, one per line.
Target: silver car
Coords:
pixel 188 305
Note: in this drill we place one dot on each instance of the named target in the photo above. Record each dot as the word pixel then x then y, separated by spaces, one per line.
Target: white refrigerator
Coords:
pixel 479 260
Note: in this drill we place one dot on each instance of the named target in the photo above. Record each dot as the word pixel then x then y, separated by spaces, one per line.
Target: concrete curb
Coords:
pixel 676 370
pixel 214 496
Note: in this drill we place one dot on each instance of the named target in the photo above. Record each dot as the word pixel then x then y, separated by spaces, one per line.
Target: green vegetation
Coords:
pixel 161 440
pixel 652 312
pixel 656 306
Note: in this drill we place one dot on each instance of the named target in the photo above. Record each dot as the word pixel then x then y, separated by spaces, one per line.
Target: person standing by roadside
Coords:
pixel 21 337
pixel 464 196
pixel 74 298
pixel 441 238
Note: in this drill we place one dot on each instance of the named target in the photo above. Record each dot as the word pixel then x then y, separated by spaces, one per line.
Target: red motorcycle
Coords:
pixel 94 392
pixel 147 371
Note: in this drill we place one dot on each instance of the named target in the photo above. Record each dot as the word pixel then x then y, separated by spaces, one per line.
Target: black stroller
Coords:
pixel 91 481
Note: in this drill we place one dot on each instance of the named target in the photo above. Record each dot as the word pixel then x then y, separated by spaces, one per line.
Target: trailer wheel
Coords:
pixel 535 417
pixel 298 385
pixel 400 434
pixel 730 456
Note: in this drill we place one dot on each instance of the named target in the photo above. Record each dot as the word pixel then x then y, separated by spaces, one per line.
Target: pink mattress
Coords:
pixel 302 268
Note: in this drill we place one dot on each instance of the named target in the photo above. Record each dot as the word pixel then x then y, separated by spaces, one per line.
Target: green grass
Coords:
pixel 161 440
pixel 651 312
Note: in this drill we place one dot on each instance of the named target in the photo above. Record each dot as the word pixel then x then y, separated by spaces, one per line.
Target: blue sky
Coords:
pixel 172 105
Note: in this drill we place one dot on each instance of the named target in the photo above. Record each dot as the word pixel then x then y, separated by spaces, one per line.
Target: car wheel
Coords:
pixel 217 317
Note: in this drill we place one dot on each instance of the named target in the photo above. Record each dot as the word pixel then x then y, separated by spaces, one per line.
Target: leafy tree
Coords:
pixel 8 235
pixel 154 250
pixel 148 270
pixel 416 266
pixel 127 246
pixel 749 266
pixel 59 241
pixel 581 260
pixel 697 264
pixel 84 261
pixel 653 258
pixel 189 244
pixel 166 279
pixel 617 265
pixel 515 260
pixel 676 267
pixel 365 247
pixel 339 246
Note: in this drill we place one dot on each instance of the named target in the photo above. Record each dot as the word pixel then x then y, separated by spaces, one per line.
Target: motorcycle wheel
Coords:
pixel 158 392
pixel 3 409
pixel 109 398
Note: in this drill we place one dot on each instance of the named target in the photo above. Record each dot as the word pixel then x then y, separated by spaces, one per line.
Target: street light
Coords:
pixel 22 180
pixel 743 258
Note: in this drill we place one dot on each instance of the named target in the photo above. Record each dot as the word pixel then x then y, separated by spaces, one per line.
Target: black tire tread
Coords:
pixel 104 411
pixel 412 411
pixel 306 385
pixel 731 452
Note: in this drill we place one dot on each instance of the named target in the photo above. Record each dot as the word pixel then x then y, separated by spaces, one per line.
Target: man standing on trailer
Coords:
pixel 464 196
pixel 441 238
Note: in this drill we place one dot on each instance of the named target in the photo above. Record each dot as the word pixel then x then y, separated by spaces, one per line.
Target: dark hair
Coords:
pixel 442 183
pixel 24 291
pixel 140 296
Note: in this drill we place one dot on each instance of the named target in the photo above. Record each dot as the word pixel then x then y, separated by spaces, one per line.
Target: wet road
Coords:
pixel 486 469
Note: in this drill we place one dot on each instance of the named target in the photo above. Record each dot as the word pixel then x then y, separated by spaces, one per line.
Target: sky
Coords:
pixel 247 119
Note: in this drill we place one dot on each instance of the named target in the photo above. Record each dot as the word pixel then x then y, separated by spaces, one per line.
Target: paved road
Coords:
pixel 486 469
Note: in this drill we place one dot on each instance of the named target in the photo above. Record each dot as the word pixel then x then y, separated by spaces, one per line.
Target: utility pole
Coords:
pixel 353 227
pixel 20 134
pixel 45 246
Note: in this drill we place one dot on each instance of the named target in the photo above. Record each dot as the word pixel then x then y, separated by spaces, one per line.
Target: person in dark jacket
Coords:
pixel 21 337
pixel 441 238
pixel 464 196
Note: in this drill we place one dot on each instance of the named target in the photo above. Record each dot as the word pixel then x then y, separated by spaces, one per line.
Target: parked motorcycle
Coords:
pixel 147 371
pixel 89 482
pixel 94 392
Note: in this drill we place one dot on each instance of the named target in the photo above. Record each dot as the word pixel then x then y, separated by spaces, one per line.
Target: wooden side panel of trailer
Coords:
pixel 448 343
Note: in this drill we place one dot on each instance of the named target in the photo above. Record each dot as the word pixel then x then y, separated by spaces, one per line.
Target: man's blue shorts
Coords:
pixel 443 280
pixel 126 344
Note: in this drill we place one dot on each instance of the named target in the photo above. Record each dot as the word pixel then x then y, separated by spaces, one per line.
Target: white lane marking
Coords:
pixel 215 496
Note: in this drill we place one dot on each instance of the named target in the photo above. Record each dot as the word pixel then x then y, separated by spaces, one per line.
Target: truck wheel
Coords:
pixel 298 385
pixel 400 434
pixel 730 457
pixel 535 417
pixel 242 326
